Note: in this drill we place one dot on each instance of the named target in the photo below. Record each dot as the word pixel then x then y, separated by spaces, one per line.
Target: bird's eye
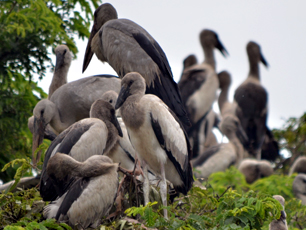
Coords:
pixel 131 82
pixel 111 101
pixel 42 112
pixel 65 51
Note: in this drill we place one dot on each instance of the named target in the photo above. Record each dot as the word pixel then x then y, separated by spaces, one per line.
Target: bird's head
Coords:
pixel 63 56
pixel 254 53
pixel 209 38
pixel 131 84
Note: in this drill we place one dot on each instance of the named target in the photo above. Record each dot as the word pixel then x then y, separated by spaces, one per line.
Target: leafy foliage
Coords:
pixel 29 28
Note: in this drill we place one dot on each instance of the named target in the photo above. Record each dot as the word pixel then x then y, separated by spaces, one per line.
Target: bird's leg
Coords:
pixel 146 183
pixel 163 189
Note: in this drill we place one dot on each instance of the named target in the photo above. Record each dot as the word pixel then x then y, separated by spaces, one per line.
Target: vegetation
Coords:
pixel 29 29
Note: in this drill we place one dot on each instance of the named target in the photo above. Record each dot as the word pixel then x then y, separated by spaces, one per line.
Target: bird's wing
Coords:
pixel 171 137
pixel 141 53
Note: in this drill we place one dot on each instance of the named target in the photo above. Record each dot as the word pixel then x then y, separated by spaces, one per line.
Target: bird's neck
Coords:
pixel 93 170
pixel 131 112
pixel 59 79
pixel 223 97
pixel 112 136
pixel 238 148
pixel 254 69
pixel 209 57
pixel 57 123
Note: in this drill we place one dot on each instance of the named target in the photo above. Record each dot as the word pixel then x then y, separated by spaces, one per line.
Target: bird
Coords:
pixel 90 136
pixel 199 83
pixel 252 102
pixel 87 199
pixel 222 156
pixel 269 149
pixel 190 60
pixel 122 152
pixel 127 47
pixel 298 166
pixel 255 169
pixel 157 136
pixel 62 65
pixel 299 187
pixel 281 223
pixel 68 104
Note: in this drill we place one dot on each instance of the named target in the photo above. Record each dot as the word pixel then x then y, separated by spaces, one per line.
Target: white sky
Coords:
pixel 279 26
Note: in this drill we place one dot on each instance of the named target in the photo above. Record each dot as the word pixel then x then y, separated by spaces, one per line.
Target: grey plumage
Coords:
pixel 281 223
pixel 90 196
pixel 128 47
pixel 255 169
pixel 252 103
pixel 96 135
pixel 157 136
pixel 68 104
pixel 299 166
pixel 299 187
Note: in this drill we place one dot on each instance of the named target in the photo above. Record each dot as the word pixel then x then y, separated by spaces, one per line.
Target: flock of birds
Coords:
pixel 164 126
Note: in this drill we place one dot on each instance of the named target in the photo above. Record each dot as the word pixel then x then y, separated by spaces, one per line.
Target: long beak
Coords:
pixel 263 60
pixel 59 61
pixel 242 135
pixel 38 137
pixel 124 93
pixel 117 125
pixel 222 49
pixel 88 52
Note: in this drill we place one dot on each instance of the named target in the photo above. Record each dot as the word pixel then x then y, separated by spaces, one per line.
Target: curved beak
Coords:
pixel 123 94
pixel 38 137
pixel 222 49
pixel 242 136
pixel 89 53
pixel 117 125
pixel 263 60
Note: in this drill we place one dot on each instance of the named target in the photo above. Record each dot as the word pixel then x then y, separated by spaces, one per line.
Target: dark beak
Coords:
pixel 263 60
pixel 117 125
pixel 242 135
pixel 88 52
pixel 59 61
pixel 222 49
pixel 123 94
pixel 38 137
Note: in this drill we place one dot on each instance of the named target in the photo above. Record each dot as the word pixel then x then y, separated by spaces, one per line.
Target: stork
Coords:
pixel 89 197
pixel 255 169
pixel 157 136
pixel 128 47
pixel 281 223
pixel 299 187
pixel 91 136
pixel 69 104
pixel 199 84
pixel 252 102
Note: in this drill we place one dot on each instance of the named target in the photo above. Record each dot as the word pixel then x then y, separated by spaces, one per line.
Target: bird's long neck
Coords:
pixel 59 79
pixel 112 136
pixel 209 57
pixel 93 170
pixel 238 148
pixel 223 97
pixel 56 122
pixel 131 112
pixel 254 69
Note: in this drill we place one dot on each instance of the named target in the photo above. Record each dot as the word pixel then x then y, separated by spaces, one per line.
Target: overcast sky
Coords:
pixel 279 26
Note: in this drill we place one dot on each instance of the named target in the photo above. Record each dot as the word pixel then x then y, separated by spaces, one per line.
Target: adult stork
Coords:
pixel 91 136
pixel 62 65
pixel 199 84
pixel 89 197
pixel 69 104
pixel 128 47
pixel 157 135
pixel 252 102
